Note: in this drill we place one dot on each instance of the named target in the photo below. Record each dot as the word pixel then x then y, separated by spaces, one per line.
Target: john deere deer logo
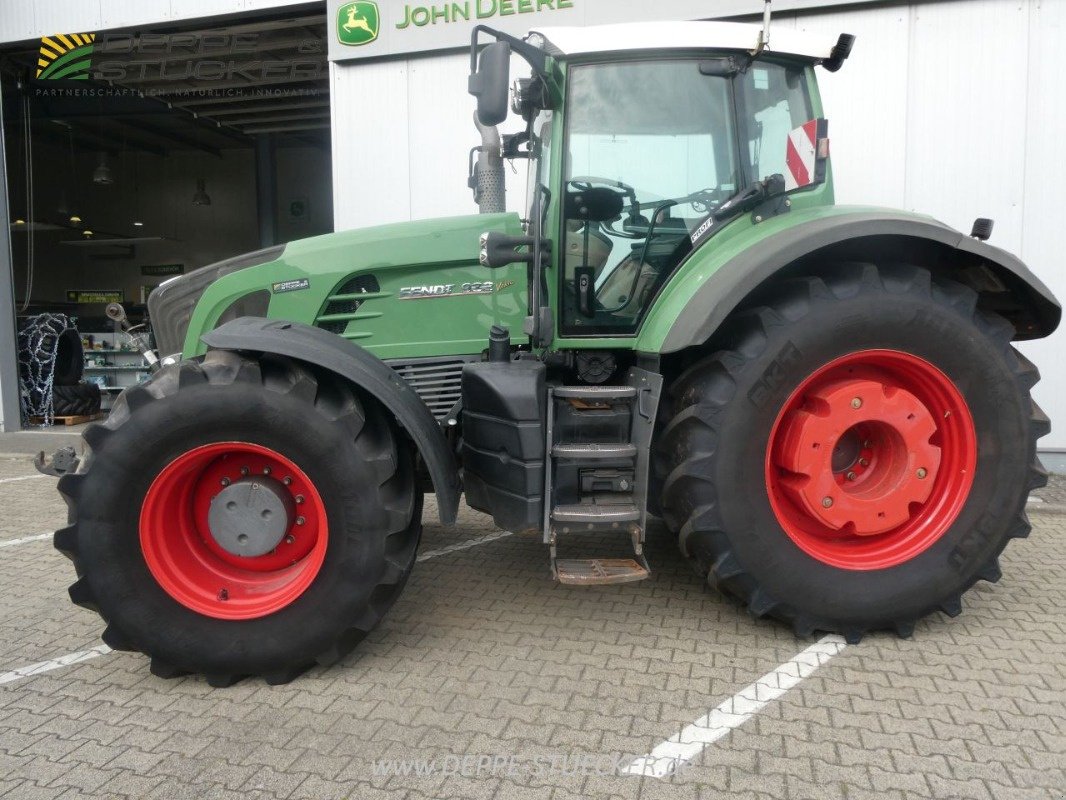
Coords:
pixel 357 23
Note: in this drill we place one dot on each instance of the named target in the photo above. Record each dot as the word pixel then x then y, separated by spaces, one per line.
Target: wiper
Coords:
pixel 750 197
pixel 745 200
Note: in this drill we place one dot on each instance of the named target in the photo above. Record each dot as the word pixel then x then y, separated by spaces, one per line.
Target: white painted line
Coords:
pixel 666 758
pixel 462 545
pixel 55 663
pixel 23 478
pixel 103 649
pixel 35 538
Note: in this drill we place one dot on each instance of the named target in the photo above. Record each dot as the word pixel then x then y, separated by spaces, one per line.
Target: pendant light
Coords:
pixel 200 196
pixel 102 174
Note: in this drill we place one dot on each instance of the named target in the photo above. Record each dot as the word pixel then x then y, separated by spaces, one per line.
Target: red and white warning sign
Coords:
pixel 807 149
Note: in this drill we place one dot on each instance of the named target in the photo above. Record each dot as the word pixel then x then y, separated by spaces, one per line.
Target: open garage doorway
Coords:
pixel 134 155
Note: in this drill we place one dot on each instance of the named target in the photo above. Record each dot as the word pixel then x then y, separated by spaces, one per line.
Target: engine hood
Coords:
pixel 352 283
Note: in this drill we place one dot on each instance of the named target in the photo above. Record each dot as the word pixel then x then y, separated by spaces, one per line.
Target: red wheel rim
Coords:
pixel 871 460
pixel 194 569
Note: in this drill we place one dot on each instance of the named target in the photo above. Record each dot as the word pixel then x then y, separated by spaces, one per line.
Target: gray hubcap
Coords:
pixel 251 516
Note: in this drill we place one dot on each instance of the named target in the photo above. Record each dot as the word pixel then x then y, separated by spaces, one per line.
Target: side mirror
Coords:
pixel 489 84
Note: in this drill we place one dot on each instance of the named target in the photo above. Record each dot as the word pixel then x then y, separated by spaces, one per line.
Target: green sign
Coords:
pixel 95 296
pixel 358 23
pixel 162 269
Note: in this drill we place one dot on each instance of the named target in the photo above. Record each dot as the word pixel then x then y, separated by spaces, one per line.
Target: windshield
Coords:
pixel 660 135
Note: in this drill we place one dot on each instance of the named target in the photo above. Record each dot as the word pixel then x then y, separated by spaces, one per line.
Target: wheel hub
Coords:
pixel 251 516
pixel 233 530
pixel 859 454
pixel 871 459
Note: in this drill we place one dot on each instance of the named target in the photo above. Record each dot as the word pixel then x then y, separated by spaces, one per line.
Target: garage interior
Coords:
pixel 207 140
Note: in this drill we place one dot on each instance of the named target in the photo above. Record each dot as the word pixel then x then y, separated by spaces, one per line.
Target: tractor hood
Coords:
pixel 360 284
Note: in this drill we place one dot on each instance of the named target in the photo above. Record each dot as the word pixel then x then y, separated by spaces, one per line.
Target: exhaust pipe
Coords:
pixel 490 194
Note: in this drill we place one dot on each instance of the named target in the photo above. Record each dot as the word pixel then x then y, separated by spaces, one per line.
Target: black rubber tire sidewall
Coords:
pixel 70 359
pixel 968 352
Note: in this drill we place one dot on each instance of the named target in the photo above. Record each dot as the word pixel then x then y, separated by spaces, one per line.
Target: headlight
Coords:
pixel 171 305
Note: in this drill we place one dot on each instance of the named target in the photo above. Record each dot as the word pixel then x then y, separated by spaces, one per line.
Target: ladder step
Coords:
pixel 620 450
pixel 592 571
pixel 595 392
pixel 596 513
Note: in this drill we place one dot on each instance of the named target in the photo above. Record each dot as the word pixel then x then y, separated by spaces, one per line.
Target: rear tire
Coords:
pixel 132 503
pixel 740 515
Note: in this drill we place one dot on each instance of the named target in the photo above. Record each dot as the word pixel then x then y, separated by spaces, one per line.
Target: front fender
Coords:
pixel 368 372
pixel 710 285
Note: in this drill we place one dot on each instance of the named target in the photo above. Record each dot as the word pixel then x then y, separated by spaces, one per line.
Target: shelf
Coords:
pixel 107 350
pixel 120 368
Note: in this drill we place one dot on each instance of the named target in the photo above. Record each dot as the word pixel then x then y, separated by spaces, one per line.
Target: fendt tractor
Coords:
pixel 821 402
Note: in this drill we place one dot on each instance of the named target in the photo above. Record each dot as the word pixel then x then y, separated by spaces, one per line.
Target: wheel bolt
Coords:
pixel 868 443
pixel 827 502
pixel 921 472
pixel 850 476
pixel 856 402
pixel 287 480
pixel 864 462
pixel 245 470
pixel 299 498
pixel 266 470
pixel 224 481
pixel 300 520
pixel 290 539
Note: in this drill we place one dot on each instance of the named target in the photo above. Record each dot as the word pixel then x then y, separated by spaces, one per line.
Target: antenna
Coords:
pixel 764 34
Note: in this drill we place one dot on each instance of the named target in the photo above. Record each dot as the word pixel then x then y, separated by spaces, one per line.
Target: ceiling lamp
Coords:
pixel 200 196
pixel 138 224
pixel 75 219
pixel 102 174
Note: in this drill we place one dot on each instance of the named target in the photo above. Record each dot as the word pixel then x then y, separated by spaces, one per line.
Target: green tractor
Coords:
pixel 821 402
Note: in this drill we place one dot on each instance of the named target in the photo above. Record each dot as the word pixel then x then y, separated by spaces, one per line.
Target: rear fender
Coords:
pixel 368 372
pixel 1003 282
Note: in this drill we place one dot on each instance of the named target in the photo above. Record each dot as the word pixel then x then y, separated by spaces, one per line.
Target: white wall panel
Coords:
pixel 372 160
pixel 1043 234
pixel 31 19
pixel 866 104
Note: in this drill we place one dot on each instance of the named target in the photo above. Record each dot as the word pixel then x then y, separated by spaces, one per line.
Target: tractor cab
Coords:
pixel 643 141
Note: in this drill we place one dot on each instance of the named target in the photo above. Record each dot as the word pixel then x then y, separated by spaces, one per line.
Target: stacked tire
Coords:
pixel 71 396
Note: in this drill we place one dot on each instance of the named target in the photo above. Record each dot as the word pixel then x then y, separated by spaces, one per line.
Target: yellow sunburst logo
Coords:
pixel 65 56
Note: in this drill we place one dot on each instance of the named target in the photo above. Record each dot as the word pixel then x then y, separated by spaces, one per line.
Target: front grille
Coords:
pixel 171 304
pixel 438 381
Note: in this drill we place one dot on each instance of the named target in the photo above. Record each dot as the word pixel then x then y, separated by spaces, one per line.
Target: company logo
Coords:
pixel 358 23
pixel 65 56
pixel 291 286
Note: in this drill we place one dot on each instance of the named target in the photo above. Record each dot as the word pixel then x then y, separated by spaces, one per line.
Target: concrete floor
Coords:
pixel 484 657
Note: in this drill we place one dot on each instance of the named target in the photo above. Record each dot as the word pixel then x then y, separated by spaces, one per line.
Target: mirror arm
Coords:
pixel 534 55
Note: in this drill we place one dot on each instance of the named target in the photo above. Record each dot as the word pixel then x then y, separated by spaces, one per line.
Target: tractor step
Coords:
pixel 601 510
pixel 595 392
pixel 599 571
pixel 584 492
pixel 594 451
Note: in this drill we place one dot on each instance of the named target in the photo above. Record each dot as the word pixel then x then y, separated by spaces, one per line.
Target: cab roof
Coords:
pixel 636 36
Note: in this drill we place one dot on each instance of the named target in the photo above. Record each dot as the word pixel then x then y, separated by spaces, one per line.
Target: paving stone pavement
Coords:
pixel 484 655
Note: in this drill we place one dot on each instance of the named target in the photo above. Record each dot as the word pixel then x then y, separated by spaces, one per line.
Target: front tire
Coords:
pixel 153 562
pixel 858 452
